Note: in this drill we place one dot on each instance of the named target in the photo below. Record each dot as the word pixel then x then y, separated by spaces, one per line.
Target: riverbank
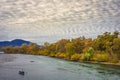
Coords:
pixel 103 63
pixel 93 62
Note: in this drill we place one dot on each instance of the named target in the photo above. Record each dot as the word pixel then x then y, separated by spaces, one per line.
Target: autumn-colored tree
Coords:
pixel 78 45
pixel 104 42
pixel 116 45
pixel 60 45
pixel 8 49
pixel 105 47
pixel 46 44
pixel 23 48
pixel 33 49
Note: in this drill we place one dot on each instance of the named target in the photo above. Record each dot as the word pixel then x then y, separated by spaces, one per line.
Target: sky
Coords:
pixel 42 21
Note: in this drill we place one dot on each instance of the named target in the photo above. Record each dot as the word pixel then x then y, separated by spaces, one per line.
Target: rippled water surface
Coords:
pixel 46 68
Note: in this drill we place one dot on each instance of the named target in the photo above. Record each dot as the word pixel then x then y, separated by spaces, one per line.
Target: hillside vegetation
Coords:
pixel 105 48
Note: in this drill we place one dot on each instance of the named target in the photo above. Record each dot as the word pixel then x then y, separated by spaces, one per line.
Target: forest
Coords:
pixel 104 48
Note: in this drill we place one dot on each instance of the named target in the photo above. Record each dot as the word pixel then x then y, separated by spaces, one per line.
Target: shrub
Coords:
pixel 88 54
pixel 60 55
pixel 118 55
pixel 114 59
pixel 102 57
pixel 52 54
pixel 75 57
pixel 43 52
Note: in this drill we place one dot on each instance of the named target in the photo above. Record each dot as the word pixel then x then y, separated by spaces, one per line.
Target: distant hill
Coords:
pixel 16 42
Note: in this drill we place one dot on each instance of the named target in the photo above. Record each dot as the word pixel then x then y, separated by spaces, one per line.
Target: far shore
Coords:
pixel 103 63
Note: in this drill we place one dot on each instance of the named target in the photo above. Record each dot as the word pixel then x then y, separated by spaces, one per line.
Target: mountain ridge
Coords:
pixel 15 42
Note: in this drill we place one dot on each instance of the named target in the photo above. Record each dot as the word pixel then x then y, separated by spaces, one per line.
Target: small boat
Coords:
pixel 31 61
pixel 22 73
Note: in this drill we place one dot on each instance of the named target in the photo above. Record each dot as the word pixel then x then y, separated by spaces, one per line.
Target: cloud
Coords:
pixel 31 19
pixel 57 10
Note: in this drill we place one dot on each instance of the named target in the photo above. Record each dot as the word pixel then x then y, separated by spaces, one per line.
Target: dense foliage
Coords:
pixel 105 48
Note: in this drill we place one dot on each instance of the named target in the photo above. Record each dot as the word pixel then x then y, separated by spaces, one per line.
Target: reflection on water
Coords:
pixel 45 68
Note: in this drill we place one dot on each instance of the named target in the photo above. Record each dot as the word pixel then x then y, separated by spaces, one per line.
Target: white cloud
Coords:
pixel 60 18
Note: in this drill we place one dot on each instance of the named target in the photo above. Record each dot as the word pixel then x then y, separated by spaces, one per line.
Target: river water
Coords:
pixel 46 68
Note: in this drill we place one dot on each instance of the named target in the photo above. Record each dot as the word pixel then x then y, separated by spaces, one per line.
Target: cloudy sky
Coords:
pixel 50 20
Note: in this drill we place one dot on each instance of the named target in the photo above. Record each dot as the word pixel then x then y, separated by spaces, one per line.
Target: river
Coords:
pixel 46 68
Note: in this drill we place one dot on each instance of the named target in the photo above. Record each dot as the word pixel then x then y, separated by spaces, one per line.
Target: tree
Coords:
pixel 115 34
pixel 116 45
pixel 88 54
pixel 70 50
pixel 33 49
pixel 8 49
pixel 46 44
pixel 78 44
pixel 23 48
pixel 60 45
pixel 52 48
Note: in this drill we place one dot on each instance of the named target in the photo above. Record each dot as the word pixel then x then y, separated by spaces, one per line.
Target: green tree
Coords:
pixel 70 50
pixel 88 54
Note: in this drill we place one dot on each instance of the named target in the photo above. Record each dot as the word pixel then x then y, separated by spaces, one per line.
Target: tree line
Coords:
pixel 104 48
